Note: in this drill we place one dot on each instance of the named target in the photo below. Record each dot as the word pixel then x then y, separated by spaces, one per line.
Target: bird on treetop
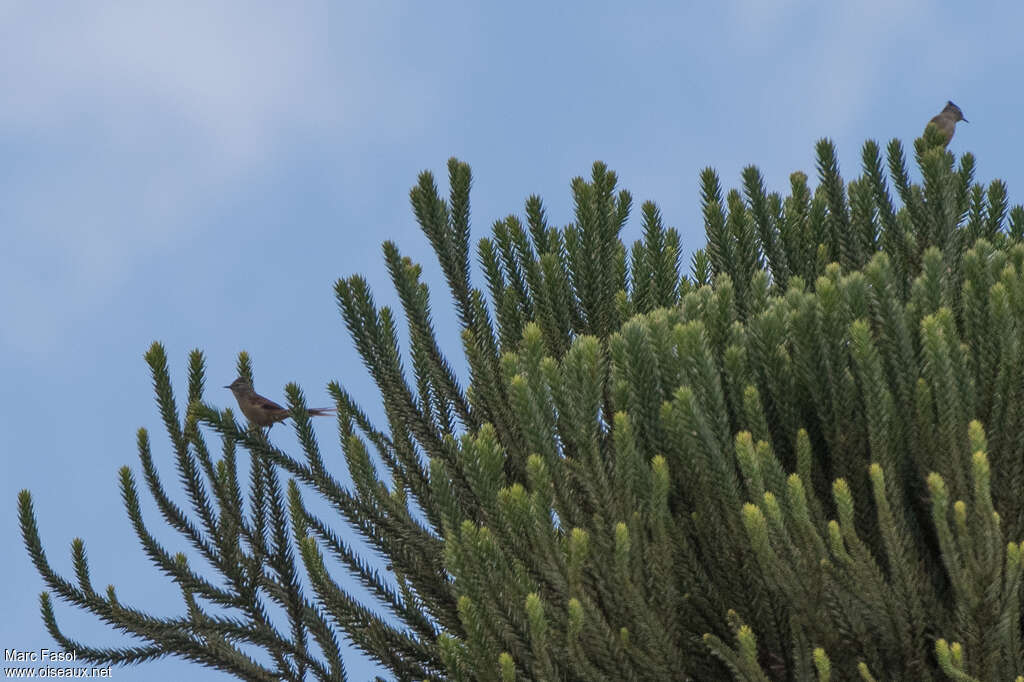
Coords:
pixel 946 120
pixel 264 411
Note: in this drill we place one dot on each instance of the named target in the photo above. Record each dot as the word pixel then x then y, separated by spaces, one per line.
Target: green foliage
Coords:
pixel 802 462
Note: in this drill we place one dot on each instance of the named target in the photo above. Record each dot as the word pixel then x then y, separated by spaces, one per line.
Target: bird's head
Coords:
pixel 240 385
pixel 955 111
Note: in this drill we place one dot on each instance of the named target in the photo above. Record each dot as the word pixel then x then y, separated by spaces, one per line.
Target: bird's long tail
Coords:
pixel 321 411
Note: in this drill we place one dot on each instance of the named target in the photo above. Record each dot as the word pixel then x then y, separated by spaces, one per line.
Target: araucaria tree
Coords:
pixel 803 460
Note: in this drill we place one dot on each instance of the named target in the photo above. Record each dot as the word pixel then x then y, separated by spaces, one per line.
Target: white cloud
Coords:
pixel 841 52
pixel 126 119
pixel 232 73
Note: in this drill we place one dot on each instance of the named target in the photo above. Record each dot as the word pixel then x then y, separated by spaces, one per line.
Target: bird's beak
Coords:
pixel 228 386
pixel 965 120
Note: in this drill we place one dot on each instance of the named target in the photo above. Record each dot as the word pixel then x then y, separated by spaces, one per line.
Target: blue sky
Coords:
pixel 201 173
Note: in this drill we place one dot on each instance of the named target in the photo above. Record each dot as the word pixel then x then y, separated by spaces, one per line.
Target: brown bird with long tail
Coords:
pixel 264 411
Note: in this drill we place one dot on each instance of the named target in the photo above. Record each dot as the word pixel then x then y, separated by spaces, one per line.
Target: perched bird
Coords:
pixel 263 411
pixel 946 120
